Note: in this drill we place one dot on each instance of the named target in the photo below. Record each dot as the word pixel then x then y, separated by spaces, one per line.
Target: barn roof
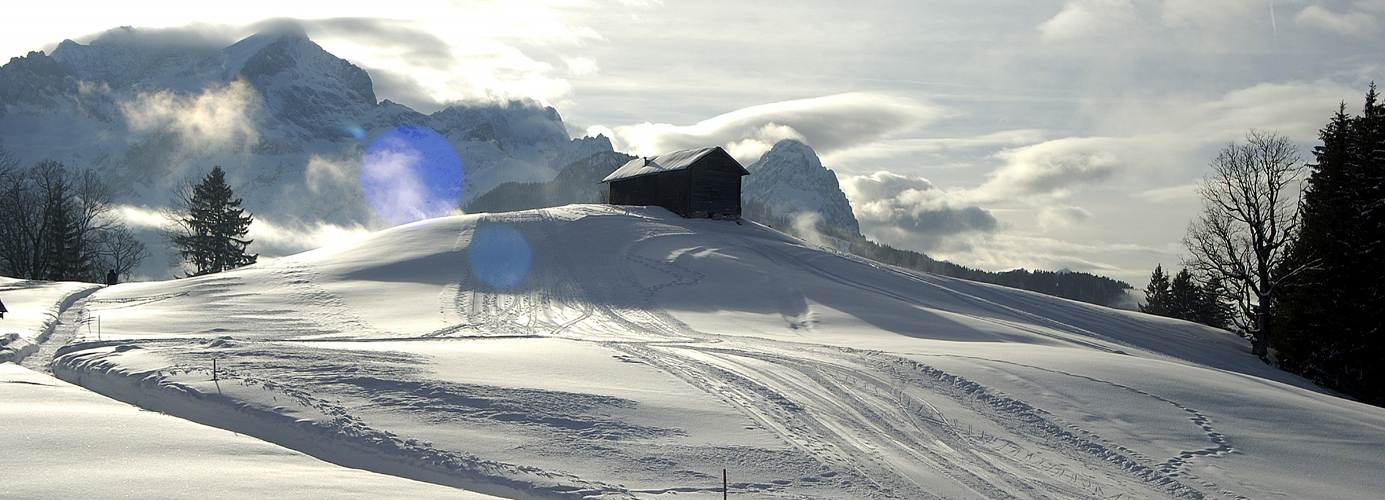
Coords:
pixel 667 162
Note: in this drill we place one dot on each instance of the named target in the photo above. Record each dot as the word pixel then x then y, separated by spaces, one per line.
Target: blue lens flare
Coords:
pixel 499 256
pixel 411 173
pixel 354 131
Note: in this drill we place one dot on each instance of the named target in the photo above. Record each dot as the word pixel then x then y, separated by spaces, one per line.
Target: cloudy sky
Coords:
pixel 996 134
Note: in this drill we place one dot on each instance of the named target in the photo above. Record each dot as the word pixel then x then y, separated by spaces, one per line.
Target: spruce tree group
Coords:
pixel 1331 318
pixel 211 227
pixel 1185 297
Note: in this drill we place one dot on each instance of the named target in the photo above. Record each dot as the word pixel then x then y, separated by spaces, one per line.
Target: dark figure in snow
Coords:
pixel 112 278
pixel 3 310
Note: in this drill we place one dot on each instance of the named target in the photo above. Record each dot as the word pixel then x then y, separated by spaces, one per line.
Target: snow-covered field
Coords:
pixel 597 351
pixel 61 441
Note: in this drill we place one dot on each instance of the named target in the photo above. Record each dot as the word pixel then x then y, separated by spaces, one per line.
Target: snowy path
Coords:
pixel 37 310
pixel 71 324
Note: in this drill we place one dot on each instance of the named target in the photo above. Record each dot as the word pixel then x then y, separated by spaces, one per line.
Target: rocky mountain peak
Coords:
pixel 789 181
pixel 291 59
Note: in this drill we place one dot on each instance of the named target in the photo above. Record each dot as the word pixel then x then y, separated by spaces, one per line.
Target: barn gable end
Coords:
pixel 694 183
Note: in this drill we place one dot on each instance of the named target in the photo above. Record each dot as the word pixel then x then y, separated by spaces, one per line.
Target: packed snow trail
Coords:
pixel 39 310
pixel 643 353
pixel 72 323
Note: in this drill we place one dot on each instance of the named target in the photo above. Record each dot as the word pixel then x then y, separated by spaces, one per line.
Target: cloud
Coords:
pixel 405 39
pixel 761 140
pixel 330 176
pixel 140 218
pixel 1003 251
pixel 1055 216
pixel 828 124
pixel 1082 18
pixel 1298 108
pixel 1050 168
pixel 1186 193
pixel 197 35
pixel 397 191
pixel 912 209
pixel 1351 23
pixel 274 240
pixel 896 147
pixel 213 119
pixel 463 53
pixel 581 66
pixel 271 239
pixel 1142 160
pixel 1035 178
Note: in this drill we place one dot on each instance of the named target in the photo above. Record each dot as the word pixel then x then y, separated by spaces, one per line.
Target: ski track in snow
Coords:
pixel 839 403
pixel 59 321
pixel 854 423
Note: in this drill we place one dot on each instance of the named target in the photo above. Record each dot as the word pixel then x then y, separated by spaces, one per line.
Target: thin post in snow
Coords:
pixel 213 369
pixel 723 484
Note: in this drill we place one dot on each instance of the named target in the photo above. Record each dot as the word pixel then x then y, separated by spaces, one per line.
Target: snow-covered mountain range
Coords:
pixel 289 122
pixel 293 124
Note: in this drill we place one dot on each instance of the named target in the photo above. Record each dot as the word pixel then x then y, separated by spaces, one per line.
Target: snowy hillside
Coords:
pixel 607 352
pixel 63 441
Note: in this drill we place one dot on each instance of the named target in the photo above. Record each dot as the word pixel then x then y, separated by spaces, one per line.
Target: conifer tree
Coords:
pixel 1331 318
pixel 63 250
pixel 212 226
pixel 1158 295
pixel 1185 296
pixel 1195 301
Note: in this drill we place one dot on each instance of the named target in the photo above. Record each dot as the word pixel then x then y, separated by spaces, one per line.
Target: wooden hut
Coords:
pixel 693 183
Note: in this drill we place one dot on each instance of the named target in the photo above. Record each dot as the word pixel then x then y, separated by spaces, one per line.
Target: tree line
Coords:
pixel 59 224
pixel 1080 286
pixel 1293 262
pixel 56 224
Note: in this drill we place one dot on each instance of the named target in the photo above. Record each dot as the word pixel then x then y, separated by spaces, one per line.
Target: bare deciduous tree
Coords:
pixel 119 251
pixel 56 224
pixel 1248 221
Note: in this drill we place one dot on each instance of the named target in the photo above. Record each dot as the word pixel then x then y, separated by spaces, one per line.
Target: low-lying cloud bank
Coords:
pixel 912 206
pixel 271 238
pixel 215 118
pixel 829 124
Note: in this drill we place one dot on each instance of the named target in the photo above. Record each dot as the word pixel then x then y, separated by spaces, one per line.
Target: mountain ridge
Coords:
pixel 289 122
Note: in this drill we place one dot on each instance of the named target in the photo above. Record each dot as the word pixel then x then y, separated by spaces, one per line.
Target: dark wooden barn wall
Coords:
pixel 668 190
pixel 634 191
pixel 711 187
pixel 716 191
